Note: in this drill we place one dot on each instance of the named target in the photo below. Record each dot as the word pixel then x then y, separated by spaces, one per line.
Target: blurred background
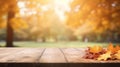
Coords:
pixel 59 23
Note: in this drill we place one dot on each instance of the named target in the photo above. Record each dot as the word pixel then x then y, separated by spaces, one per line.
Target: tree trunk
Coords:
pixel 9 41
pixel 10 32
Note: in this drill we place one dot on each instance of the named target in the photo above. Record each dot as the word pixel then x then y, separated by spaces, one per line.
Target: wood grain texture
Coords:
pixel 52 55
pixel 25 55
pixel 46 55
pixel 4 52
pixel 72 54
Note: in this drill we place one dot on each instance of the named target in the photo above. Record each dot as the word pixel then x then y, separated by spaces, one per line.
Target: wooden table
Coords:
pixel 45 55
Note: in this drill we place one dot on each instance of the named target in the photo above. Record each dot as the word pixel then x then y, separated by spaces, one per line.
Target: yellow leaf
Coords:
pixel 95 49
pixel 117 55
pixel 105 56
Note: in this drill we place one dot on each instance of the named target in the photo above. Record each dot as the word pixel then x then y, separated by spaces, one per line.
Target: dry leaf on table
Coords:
pixel 105 56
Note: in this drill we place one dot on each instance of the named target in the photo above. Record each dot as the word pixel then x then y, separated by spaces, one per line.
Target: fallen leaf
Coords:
pixel 117 48
pixel 117 55
pixel 111 48
pixel 96 49
pixel 105 56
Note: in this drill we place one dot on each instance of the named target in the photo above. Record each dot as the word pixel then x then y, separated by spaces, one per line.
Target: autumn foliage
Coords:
pixel 100 53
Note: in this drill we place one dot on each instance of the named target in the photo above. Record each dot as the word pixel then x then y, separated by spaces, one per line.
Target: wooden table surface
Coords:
pixel 46 55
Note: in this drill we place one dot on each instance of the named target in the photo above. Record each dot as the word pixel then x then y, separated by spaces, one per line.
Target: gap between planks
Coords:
pixel 37 60
pixel 52 55
pixel 25 55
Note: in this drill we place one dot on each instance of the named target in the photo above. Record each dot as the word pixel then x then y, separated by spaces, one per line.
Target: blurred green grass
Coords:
pixel 74 44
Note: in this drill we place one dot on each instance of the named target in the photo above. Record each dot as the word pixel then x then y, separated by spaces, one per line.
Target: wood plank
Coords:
pixel 73 55
pixel 25 55
pixel 8 51
pixel 48 55
pixel 52 55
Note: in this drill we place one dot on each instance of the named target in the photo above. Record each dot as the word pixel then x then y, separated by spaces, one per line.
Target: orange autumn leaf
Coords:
pixel 105 56
pixel 111 48
pixel 95 49
pixel 99 53
pixel 117 48
pixel 117 55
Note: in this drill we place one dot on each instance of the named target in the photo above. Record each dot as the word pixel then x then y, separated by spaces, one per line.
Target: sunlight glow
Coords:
pixel 44 8
pixel 77 8
pixel 21 4
pixel 59 7
pixel 62 6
